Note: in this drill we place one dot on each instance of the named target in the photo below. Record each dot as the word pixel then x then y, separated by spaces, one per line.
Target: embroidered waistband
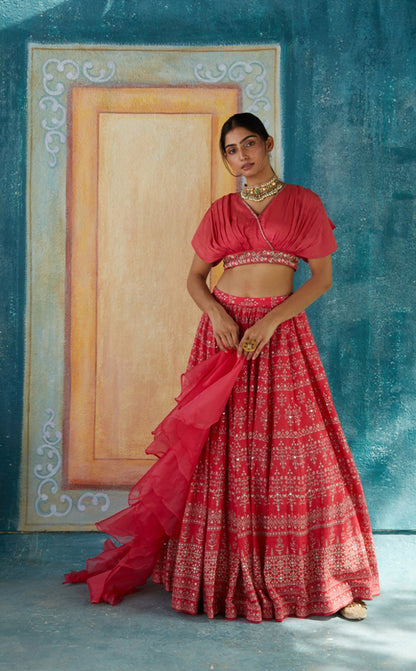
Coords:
pixel 263 256
pixel 267 302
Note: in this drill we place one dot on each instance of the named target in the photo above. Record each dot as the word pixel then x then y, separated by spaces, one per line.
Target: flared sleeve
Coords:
pixel 314 229
pixel 205 240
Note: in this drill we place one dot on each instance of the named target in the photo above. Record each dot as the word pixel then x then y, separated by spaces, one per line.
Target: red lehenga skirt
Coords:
pixel 255 508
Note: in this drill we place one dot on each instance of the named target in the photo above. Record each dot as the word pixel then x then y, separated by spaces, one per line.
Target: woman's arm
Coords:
pixel 319 282
pixel 226 331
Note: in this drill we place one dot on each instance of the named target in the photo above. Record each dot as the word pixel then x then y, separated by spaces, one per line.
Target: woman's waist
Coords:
pixel 257 280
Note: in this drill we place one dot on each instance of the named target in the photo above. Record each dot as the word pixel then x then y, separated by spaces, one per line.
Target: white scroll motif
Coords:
pixel 59 505
pixel 252 74
pixel 55 77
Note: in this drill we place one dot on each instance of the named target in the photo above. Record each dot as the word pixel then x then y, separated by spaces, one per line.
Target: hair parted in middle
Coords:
pixel 243 120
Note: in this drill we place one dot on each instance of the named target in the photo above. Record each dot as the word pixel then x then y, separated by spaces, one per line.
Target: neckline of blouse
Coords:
pixel 259 214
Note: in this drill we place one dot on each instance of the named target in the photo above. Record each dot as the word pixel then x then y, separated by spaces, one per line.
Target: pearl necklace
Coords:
pixel 262 191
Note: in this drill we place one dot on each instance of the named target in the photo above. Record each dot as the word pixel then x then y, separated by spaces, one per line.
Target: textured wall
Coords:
pixel 349 108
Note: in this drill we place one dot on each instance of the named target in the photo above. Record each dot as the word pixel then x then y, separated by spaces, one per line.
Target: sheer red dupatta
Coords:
pixel 157 500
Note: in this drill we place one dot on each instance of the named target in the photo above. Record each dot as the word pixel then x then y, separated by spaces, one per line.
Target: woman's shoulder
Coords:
pixel 303 200
pixel 301 192
pixel 224 200
pixel 222 207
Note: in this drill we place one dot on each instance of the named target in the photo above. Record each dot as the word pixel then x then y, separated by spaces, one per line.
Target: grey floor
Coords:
pixel 47 626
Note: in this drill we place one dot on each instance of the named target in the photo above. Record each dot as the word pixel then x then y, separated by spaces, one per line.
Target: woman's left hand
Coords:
pixel 259 335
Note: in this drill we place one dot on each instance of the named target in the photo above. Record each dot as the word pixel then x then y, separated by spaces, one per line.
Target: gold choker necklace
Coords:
pixel 262 191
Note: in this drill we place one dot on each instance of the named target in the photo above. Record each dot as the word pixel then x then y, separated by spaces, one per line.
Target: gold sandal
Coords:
pixel 357 610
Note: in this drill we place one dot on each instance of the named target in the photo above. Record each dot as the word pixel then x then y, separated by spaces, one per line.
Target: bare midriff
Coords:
pixel 257 280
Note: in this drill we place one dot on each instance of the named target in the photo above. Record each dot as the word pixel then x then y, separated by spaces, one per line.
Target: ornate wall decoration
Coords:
pixel 55 77
pixel 49 501
pixel 251 74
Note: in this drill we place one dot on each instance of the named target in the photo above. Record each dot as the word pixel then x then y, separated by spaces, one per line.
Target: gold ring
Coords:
pixel 249 345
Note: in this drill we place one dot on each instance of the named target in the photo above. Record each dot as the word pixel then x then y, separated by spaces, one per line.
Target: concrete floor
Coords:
pixel 47 626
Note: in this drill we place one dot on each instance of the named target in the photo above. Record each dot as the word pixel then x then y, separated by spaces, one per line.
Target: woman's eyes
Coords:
pixel 246 145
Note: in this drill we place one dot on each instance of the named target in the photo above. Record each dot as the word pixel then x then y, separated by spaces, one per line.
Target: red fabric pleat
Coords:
pixel 157 500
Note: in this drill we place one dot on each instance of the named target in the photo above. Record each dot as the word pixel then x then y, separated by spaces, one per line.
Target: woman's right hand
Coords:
pixel 226 331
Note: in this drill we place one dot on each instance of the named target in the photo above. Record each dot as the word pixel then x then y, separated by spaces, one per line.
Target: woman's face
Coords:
pixel 248 154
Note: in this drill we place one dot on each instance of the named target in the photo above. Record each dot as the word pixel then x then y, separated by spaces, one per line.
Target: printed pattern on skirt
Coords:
pixel 275 522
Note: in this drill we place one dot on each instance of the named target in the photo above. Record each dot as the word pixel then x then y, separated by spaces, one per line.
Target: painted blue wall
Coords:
pixel 349 126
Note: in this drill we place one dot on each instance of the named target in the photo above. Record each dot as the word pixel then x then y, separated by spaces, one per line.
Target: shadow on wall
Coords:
pixel 147 22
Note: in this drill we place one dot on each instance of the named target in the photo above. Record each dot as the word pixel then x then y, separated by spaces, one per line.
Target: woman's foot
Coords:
pixel 357 610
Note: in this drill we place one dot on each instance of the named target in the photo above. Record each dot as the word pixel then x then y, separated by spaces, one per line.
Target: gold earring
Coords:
pixel 227 165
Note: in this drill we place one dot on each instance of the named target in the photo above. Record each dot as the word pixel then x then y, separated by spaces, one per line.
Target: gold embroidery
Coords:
pixel 263 256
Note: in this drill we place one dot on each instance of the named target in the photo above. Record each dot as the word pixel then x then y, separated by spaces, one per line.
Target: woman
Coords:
pixel 255 507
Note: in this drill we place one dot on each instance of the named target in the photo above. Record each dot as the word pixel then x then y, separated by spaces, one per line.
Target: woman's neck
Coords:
pixel 257 180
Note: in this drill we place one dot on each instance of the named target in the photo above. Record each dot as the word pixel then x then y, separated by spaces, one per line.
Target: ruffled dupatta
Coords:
pixel 157 500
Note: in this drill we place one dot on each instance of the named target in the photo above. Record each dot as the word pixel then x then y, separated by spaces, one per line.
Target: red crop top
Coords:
pixel 293 225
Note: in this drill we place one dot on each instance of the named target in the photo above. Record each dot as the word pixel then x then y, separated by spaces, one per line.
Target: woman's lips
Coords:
pixel 247 166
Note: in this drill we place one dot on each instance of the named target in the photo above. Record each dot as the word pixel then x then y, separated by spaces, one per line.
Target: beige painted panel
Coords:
pixel 153 175
pixel 125 273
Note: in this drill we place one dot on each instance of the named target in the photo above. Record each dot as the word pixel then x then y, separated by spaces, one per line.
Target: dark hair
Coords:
pixel 243 120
